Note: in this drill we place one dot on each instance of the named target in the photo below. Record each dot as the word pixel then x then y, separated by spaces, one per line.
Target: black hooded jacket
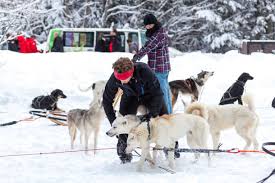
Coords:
pixel 143 85
pixel 57 45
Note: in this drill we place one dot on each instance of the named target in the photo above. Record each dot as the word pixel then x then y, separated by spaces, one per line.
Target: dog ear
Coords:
pixel 93 86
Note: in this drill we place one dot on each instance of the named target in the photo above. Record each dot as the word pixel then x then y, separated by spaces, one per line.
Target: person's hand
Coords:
pixel 147 117
pixel 135 58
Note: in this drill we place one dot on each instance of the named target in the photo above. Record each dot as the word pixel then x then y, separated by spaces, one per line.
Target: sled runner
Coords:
pixel 59 118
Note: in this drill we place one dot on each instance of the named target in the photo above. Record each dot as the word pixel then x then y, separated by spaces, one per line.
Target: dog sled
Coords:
pixel 57 117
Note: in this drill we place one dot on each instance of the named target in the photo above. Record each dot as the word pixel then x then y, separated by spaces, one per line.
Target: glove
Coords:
pixel 135 58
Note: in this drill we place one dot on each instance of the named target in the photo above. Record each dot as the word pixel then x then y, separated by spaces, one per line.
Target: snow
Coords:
pixel 209 15
pixel 24 76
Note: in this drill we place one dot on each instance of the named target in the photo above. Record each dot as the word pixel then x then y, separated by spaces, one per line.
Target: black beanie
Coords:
pixel 150 19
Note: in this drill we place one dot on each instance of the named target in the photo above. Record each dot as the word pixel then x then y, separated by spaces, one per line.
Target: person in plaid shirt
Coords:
pixel 156 49
pixel 158 56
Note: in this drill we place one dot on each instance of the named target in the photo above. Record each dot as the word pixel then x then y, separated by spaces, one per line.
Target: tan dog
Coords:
pixel 86 121
pixel 221 117
pixel 164 131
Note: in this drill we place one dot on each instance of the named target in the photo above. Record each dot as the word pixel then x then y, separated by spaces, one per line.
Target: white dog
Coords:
pixel 86 121
pixel 98 88
pixel 164 131
pixel 221 117
pixel 123 124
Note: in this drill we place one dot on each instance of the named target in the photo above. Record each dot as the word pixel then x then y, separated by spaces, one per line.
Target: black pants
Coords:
pixel 129 105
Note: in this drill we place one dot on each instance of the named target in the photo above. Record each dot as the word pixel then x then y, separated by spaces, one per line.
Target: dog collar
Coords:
pixel 240 83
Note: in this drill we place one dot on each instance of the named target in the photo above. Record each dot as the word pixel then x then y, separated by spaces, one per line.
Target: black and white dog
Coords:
pixel 235 92
pixel 190 87
pixel 48 102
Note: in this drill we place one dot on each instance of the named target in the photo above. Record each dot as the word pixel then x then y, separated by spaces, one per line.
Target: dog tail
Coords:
pixel 248 101
pixel 198 109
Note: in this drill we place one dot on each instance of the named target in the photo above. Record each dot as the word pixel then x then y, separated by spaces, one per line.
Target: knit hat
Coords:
pixel 150 19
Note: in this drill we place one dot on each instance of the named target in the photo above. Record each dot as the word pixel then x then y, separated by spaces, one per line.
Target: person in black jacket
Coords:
pixel 12 43
pixel 273 103
pixel 57 43
pixel 140 87
pixel 101 43
pixel 114 41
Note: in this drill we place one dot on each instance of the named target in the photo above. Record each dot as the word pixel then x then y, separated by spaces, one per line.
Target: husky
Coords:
pixel 189 87
pixel 164 131
pixel 87 121
pixel 123 124
pixel 222 117
pixel 236 91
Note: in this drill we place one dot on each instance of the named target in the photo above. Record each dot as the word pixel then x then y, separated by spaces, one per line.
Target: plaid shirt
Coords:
pixel 157 50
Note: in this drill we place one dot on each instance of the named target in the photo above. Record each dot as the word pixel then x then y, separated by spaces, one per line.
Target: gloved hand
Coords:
pixel 147 117
pixel 135 58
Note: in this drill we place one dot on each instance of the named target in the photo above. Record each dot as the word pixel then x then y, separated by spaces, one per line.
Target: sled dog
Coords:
pixel 86 121
pixel 191 87
pixel 164 131
pixel 123 124
pixel 98 88
pixel 235 92
pixel 48 102
pixel 221 117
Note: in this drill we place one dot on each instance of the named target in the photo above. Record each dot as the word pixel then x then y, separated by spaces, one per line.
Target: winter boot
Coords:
pixel 127 158
pixel 121 147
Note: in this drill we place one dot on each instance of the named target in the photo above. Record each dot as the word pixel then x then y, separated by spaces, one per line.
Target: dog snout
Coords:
pixel 63 95
pixel 110 134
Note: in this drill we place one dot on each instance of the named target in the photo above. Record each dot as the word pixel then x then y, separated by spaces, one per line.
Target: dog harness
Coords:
pixel 148 127
pixel 191 83
pixel 227 95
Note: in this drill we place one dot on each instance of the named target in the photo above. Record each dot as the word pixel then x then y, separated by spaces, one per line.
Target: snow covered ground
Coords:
pixel 24 76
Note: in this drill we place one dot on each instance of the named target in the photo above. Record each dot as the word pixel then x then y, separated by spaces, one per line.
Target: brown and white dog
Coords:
pixel 191 87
